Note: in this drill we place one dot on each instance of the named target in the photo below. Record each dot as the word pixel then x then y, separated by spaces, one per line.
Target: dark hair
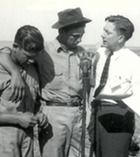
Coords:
pixel 123 25
pixel 29 38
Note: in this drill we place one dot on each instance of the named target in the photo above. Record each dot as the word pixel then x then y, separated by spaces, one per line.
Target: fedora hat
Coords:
pixel 70 17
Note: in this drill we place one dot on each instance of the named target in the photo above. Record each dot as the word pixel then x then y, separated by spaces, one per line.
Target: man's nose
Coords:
pixel 103 35
pixel 79 39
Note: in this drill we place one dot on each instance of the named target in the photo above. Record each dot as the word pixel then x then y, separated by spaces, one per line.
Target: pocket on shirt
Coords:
pixel 120 85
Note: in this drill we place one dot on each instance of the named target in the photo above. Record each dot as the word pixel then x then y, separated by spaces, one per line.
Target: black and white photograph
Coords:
pixel 69 78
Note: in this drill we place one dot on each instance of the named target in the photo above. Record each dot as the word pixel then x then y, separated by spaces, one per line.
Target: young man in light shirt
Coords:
pixel 17 118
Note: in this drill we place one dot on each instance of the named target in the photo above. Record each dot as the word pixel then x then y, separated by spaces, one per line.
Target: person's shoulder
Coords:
pixel 47 45
pixel 7 50
pixel 130 57
pixel 52 46
pixel 130 54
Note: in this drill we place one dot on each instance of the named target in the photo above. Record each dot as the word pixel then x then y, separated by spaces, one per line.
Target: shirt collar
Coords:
pixel 118 53
pixel 59 47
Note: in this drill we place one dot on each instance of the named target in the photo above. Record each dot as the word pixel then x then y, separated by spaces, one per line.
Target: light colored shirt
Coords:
pixel 67 81
pixel 30 76
pixel 123 79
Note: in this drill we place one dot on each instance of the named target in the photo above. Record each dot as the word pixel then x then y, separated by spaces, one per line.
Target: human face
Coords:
pixel 24 57
pixel 111 37
pixel 74 37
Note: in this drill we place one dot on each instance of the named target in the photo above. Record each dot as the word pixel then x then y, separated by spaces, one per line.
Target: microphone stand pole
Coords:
pixel 85 65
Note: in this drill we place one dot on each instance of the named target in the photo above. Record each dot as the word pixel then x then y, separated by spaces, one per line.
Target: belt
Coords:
pixel 96 103
pixel 69 104
pixel 106 103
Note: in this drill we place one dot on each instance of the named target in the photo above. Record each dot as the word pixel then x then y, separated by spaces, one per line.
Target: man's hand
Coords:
pixel 17 83
pixel 27 119
pixel 18 87
pixel 42 120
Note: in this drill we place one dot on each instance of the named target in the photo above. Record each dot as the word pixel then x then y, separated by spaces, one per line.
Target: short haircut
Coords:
pixel 29 38
pixel 123 25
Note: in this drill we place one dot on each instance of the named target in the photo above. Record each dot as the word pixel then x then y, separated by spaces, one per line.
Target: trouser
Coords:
pixel 64 137
pixel 15 142
pixel 113 130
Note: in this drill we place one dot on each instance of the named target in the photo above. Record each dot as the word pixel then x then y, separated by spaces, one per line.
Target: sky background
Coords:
pixel 43 14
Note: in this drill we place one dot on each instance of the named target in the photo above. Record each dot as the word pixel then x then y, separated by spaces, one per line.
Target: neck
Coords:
pixel 117 47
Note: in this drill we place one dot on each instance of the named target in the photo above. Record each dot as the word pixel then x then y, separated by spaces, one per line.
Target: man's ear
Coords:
pixel 121 38
pixel 15 45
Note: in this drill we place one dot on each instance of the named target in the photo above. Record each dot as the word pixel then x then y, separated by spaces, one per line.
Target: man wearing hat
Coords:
pixel 63 95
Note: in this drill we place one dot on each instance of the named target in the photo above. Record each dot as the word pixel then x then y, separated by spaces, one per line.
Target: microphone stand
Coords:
pixel 85 65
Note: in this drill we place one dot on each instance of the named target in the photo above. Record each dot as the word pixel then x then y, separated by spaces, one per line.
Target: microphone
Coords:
pixel 86 62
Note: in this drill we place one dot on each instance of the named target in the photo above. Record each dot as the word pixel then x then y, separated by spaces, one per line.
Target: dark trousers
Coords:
pixel 113 129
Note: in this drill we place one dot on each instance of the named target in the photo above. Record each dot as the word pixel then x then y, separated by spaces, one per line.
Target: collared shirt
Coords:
pixel 30 76
pixel 123 78
pixel 67 81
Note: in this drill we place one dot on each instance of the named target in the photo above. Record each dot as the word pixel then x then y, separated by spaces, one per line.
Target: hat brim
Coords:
pixel 58 25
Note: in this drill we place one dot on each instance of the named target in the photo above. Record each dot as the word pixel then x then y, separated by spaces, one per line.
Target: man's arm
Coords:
pixel 113 96
pixel 17 83
pixel 24 120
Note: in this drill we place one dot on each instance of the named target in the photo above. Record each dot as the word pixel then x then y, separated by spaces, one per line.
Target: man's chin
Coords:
pixel 73 47
pixel 104 44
